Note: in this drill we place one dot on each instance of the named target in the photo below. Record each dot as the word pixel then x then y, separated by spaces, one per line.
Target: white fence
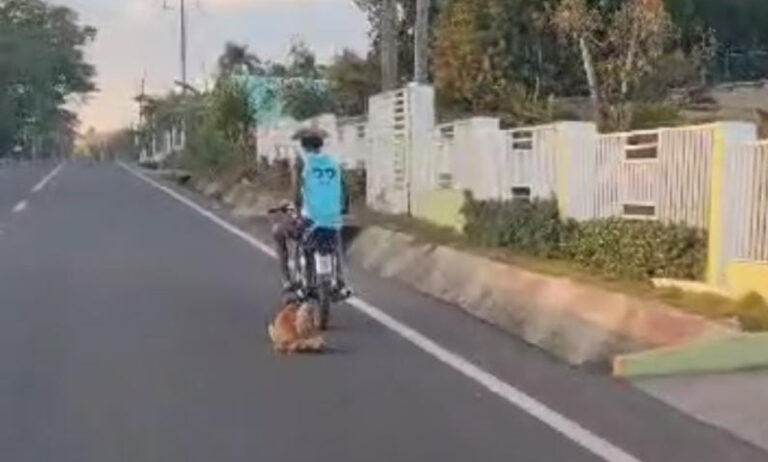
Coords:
pixel 670 174
pixel 398 162
pixel 664 174
pixel 746 193
pixel 531 156
pixel 656 174
pixel 348 139
pixel 353 142
pixel 387 163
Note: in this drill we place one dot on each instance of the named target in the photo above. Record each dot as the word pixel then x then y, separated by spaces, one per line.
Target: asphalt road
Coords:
pixel 131 329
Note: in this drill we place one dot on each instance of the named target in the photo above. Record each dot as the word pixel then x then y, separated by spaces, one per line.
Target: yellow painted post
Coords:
pixel 729 137
pixel 715 248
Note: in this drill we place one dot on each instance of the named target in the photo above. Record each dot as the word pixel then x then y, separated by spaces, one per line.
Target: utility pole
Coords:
pixel 183 39
pixel 183 46
pixel 389 45
pixel 421 45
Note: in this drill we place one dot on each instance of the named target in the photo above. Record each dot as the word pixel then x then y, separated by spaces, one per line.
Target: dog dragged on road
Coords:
pixel 295 329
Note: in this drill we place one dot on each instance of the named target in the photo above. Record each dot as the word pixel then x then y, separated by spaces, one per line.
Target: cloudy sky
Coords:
pixel 138 36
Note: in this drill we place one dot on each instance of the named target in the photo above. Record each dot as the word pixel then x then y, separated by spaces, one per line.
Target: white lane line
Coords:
pixel 39 186
pixel 566 427
pixel 20 207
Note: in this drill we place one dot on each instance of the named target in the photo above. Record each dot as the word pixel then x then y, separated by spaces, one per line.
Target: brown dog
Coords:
pixel 294 330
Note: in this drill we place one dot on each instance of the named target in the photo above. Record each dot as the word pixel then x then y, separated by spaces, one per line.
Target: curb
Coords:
pixel 576 322
pixel 744 351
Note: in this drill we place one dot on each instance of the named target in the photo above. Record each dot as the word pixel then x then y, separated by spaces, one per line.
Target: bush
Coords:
pixel 655 115
pixel 533 227
pixel 207 149
pixel 752 311
pixel 639 249
pixel 614 247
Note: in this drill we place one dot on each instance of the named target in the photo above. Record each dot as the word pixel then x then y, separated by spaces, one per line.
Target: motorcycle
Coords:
pixel 313 265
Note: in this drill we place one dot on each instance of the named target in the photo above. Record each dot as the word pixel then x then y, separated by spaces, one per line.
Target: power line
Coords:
pixel 182 39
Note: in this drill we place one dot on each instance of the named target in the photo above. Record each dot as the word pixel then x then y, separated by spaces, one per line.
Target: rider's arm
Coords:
pixel 344 195
pixel 296 182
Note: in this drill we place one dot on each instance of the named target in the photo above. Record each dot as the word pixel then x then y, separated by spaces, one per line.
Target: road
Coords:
pixel 131 329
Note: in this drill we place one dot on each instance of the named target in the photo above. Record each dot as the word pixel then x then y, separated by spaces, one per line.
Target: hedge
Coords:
pixel 630 249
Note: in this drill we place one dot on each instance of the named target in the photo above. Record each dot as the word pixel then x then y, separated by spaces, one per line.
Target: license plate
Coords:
pixel 324 264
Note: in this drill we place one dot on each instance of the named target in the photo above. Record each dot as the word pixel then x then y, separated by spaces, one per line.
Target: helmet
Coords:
pixel 310 132
pixel 311 138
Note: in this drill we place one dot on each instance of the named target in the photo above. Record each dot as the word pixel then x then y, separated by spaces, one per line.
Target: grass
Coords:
pixel 749 312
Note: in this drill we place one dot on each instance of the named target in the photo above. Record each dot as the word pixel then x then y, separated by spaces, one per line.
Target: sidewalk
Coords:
pixel 737 402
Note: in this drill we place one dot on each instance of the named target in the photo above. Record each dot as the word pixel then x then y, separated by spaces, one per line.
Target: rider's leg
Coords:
pixel 341 283
pixel 281 233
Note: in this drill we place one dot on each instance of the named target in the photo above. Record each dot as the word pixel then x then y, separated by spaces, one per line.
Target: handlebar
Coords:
pixel 280 209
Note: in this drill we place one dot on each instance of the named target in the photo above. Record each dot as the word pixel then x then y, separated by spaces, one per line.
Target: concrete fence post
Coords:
pixel 729 138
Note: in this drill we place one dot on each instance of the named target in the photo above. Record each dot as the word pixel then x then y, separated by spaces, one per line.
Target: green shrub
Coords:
pixel 533 227
pixel 655 115
pixel 639 249
pixel 208 148
pixel 752 311
pixel 614 247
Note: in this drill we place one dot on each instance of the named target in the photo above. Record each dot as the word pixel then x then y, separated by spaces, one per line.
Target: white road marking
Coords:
pixel 566 427
pixel 20 207
pixel 39 186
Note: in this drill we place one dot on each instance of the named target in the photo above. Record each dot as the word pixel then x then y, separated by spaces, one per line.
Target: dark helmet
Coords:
pixel 312 139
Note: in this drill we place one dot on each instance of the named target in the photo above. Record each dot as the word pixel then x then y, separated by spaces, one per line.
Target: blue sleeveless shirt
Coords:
pixel 322 191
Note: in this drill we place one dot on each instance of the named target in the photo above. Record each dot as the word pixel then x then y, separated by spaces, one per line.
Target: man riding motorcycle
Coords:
pixel 320 194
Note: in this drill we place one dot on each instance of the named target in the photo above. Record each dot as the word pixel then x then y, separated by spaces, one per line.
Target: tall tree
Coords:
pixel 352 79
pixel 237 58
pixel 739 27
pixel 305 92
pixel 42 66
pixel 405 27
pixel 499 56
pixel 623 47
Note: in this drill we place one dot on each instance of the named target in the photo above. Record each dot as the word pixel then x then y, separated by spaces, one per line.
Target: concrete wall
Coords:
pixel 440 207
pixel 745 277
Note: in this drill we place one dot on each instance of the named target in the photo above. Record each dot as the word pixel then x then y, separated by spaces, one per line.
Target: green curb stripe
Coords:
pixel 741 352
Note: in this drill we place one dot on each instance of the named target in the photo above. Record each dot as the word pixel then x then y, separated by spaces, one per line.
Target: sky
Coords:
pixel 138 38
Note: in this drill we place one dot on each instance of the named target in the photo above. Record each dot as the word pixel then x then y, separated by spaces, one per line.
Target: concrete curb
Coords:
pixel 576 322
pixel 746 351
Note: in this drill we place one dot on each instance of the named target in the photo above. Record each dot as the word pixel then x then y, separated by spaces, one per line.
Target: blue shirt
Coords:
pixel 322 191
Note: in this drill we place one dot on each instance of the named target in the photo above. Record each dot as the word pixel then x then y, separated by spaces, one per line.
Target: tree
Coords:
pixel 738 26
pixel 405 17
pixel 41 67
pixel 237 58
pixel 304 92
pixel 499 56
pixel 232 111
pixel 353 80
pixel 622 47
